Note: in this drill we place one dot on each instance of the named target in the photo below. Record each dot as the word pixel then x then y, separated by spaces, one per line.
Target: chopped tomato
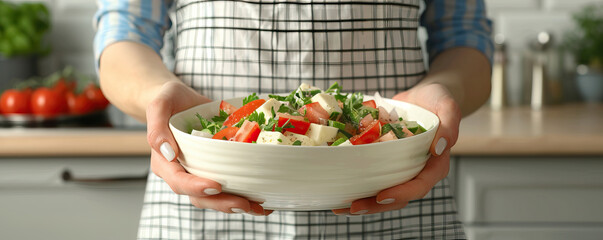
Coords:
pixel 249 132
pixel 242 112
pixel 365 122
pixel 314 112
pixel 370 103
pixel 226 133
pixel 369 135
pixel 227 107
pixel 300 125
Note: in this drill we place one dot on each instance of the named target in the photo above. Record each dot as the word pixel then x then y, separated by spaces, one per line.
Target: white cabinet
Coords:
pixel 530 197
pixel 102 199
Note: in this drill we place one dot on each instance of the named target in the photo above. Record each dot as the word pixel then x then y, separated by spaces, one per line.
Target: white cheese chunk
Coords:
pixel 307 87
pixel 346 143
pixel 201 134
pixel 267 107
pixel 305 140
pixel 321 134
pixel 328 102
pixel 275 138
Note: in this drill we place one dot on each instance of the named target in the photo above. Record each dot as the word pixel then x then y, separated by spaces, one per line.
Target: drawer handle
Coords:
pixel 68 177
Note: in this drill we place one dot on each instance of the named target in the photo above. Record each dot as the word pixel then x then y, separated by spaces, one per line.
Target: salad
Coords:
pixel 308 116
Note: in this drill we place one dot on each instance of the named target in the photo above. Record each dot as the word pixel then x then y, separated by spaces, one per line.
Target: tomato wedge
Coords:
pixel 314 112
pixel 370 103
pixel 226 133
pixel 300 125
pixel 242 112
pixel 227 107
pixel 369 135
pixel 249 132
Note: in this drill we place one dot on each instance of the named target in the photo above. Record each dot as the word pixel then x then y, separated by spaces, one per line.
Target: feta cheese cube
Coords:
pixel 267 107
pixel 275 138
pixel 346 143
pixel 201 134
pixel 328 102
pixel 321 134
pixel 305 140
pixel 307 87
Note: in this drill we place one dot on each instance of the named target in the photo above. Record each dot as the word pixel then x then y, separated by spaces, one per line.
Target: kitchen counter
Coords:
pixel 26 142
pixel 569 129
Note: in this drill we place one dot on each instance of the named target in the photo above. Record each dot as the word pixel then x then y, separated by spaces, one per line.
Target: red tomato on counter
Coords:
pixel 15 101
pixel 79 103
pixel 48 102
pixel 95 94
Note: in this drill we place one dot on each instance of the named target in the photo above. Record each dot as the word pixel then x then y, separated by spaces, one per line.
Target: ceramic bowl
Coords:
pixel 302 178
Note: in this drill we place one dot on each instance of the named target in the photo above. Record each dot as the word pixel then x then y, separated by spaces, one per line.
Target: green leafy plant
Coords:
pixel 22 28
pixel 586 41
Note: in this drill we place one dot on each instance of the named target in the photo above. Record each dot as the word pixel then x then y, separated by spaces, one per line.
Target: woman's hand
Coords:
pixel 438 99
pixel 174 97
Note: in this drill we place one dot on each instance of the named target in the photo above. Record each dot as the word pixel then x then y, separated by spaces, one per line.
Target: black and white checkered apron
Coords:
pixel 227 49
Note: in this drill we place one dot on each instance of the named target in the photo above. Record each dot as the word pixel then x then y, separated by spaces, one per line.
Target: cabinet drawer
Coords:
pixel 102 199
pixel 536 190
pixel 535 232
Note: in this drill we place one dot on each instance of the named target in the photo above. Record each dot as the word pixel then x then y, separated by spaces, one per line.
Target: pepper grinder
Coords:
pixel 499 76
pixel 540 46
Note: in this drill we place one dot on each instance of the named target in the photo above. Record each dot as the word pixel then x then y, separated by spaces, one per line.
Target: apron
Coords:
pixel 227 49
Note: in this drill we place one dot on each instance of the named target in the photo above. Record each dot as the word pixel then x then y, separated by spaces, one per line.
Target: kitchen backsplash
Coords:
pixel 517 20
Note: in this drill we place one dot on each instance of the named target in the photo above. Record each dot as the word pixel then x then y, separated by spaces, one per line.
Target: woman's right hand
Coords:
pixel 174 97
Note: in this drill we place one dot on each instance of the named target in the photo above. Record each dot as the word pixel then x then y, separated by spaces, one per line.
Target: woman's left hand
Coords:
pixel 437 99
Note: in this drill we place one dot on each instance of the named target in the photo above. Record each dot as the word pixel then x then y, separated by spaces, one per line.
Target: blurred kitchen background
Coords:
pixel 528 165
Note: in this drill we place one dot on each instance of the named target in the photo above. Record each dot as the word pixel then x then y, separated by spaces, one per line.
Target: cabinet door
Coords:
pixel 537 190
pixel 101 199
pixel 531 198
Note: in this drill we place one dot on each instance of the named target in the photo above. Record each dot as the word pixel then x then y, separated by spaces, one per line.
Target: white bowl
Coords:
pixel 302 178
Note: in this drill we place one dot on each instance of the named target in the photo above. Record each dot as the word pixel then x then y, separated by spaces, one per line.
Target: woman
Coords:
pixel 226 49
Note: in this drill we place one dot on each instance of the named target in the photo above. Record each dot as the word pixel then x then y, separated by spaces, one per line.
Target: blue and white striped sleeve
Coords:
pixel 142 21
pixel 457 23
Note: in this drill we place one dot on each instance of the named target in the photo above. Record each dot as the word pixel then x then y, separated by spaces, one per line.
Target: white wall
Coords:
pixel 520 21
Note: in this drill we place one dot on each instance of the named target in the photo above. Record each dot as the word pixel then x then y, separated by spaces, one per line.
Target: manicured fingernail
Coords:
pixel 211 191
pixel 440 146
pixel 360 212
pixel 237 210
pixel 387 201
pixel 167 151
pixel 255 214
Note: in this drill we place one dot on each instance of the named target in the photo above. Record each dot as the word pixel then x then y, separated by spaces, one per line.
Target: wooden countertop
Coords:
pixel 569 129
pixel 24 142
